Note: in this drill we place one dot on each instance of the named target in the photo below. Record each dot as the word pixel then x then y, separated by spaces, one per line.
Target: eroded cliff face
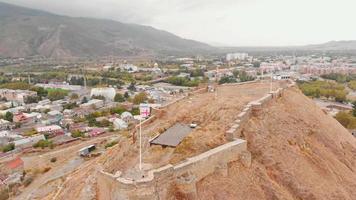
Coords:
pixel 298 152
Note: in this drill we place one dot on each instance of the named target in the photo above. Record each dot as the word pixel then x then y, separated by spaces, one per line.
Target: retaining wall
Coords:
pixel 185 175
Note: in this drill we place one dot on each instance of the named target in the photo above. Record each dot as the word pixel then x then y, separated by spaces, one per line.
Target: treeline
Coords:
pixel 346 119
pixel 182 81
pixel 324 89
pixel 340 78
pixel 52 94
pixel 238 76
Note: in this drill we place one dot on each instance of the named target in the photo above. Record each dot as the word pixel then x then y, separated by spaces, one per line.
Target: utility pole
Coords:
pixel 84 78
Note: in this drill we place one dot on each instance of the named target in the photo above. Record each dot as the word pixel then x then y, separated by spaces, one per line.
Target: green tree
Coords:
pixel 354 108
pixel 57 94
pixel 8 147
pixel 98 97
pixel 140 98
pixel 74 96
pixel 84 100
pixel 40 91
pixel 119 98
pixel 9 116
pixel 132 86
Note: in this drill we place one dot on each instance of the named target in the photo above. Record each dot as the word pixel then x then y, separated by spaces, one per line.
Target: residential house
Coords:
pixel 120 124
pixel 50 131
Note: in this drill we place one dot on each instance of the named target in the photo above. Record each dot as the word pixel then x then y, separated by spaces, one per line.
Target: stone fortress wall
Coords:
pixel 184 176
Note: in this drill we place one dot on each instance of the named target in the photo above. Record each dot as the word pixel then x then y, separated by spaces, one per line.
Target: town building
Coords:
pixel 50 131
pixel 93 104
pixel 18 96
pixel 108 93
pixel 120 124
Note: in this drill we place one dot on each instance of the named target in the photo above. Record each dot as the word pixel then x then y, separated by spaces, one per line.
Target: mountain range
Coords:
pixel 28 32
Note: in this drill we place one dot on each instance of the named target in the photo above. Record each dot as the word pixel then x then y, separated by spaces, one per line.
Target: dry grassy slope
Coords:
pixel 298 153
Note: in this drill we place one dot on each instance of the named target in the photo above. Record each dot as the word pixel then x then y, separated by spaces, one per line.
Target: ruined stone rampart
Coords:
pixel 185 175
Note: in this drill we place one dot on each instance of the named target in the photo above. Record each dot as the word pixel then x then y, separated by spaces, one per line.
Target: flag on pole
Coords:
pixel 145 110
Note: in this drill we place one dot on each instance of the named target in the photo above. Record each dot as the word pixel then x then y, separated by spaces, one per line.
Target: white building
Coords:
pixel 129 67
pixel 16 95
pixel 29 141
pixel 236 56
pixel 120 124
pixel 126 116
pixel 97 103
pixel 108 93
pixel 64 86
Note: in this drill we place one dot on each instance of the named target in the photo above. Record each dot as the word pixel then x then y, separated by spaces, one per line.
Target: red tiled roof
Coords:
pixel 13 164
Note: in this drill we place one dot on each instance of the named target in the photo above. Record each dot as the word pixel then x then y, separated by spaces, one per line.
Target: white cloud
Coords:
pixel 230 22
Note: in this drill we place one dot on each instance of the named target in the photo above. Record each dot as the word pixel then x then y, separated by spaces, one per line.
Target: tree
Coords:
pixel 8 147
pixel 132 87
pixel 256 64
pixel 41 92
pixel 77 134
pixel 84 100
pixel 32 99
pixel 98 97
pixel 343 119
pixel 354 108
pixel 9 116
pixel 140 98
pixel 57 94
pixel 74 96
pixel 119 98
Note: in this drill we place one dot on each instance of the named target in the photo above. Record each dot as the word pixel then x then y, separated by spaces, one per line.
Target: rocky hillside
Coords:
pixel 27 32
pixel 298 152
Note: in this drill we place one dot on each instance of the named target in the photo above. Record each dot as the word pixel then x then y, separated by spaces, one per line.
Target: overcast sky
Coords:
pixel 224 22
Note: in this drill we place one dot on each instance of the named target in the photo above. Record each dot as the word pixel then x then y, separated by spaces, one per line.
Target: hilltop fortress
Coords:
pixel 183 176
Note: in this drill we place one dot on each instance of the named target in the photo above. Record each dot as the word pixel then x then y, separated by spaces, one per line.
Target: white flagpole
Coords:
pixel 140 146
pixel 271 81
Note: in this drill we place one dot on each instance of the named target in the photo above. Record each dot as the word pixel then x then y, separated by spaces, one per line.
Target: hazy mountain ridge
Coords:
pixel 334 45
pixel 25 32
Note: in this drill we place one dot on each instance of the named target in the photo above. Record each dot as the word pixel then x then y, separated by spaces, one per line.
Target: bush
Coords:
pixel 56 94
pixel 77 134
pixel 4 194
pixel 110 144
pixel 227 79
pixel 43 144
pixel 53 160
pixel 352 85
pixel 119 98
pixel 181 81
pixel 27 181
pixel 135 111
pixel 324 89
pixel 346 119
pixel 139 98
pixel 117 110
pixel 8 147
pixel 9 116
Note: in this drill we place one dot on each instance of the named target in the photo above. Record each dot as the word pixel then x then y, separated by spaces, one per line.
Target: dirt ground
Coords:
pixel 298 152
pixel 213 115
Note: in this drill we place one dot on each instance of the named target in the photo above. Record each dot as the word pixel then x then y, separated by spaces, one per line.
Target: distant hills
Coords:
pixel 334 46
pixel 26 32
